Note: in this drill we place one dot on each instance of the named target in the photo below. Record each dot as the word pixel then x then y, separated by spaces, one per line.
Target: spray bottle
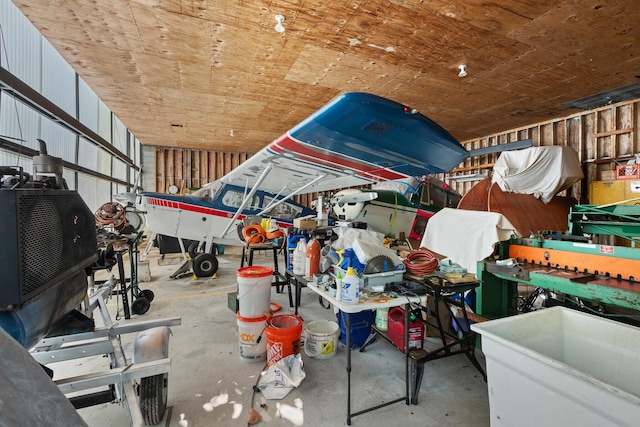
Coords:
pixel 339 286
pixel 350 286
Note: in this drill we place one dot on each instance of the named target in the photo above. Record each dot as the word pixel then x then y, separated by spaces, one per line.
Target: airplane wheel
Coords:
pixel 147 293
pixel 205 265
pixel 153 398
pixel 193 250
pixel 140 305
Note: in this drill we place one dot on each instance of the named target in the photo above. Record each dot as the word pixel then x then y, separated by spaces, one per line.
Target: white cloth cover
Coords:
pixel 466 236
pixel 541 171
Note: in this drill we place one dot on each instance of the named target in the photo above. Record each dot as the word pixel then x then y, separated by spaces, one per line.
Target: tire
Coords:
pixel 193 250
pixel 148 294
pixel 205 265
pixel 140 305
pixel 152 394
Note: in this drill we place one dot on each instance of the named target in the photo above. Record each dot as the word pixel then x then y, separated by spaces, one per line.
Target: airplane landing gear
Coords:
pixel 205 265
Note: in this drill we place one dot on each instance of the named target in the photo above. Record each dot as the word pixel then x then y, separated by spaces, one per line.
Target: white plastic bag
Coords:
pixel 282 377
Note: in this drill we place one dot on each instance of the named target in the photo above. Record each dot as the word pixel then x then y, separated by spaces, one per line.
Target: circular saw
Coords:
pixel 379 264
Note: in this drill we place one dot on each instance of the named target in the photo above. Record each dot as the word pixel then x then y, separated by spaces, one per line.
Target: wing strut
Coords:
pixel 298 191
pixel 264 174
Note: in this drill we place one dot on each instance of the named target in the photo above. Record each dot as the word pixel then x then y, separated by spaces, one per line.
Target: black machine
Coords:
pixel 48 240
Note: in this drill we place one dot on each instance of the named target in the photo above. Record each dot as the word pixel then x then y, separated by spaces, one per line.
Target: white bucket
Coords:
pixel 321 338
pixel 254 291
pixel 253 344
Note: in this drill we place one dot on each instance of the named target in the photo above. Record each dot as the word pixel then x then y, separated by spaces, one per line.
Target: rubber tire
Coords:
pixel 147 293
pixel 140 305
pixel 193 250
pixel 205 265
pixel 152 394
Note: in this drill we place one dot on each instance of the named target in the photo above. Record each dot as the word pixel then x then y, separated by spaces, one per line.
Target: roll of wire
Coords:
pixel 254 234
pixel 111 214
pixel 420 262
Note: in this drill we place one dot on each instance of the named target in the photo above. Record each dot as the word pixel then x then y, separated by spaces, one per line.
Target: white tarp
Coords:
pixel 466 236
pixel 541 171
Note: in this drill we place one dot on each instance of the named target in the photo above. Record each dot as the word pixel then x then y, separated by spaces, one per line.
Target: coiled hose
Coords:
pixel 420 262
pixel 111 214
pixel 254 234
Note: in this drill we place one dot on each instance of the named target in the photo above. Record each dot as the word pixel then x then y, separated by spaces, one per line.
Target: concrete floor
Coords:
pixel 206 366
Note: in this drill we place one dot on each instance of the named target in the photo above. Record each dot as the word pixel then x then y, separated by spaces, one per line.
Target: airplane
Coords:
pixel 356 139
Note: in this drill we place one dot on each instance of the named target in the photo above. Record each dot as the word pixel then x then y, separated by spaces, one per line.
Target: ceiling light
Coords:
pixel 279 27
pixel 462 72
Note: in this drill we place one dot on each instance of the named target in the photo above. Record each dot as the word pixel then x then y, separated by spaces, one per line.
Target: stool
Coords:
pixel 279 279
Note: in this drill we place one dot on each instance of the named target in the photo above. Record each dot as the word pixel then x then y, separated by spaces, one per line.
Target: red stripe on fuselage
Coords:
pixel 323 158
pixel 172 204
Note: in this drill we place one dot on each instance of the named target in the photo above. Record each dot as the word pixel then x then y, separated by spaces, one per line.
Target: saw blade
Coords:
pixel 379 264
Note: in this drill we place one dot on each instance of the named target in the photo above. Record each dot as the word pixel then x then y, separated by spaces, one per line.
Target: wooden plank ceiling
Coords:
pixel 215 75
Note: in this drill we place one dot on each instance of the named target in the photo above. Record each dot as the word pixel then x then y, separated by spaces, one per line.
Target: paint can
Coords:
pixel 321 339
pixel 283 334
pixel 253 345
pixel 254 290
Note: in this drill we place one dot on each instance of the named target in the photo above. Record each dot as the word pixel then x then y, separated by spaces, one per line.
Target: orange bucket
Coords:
pixel 283 334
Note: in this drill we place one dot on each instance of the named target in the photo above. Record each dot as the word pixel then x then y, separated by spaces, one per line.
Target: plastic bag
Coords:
pixel 282 377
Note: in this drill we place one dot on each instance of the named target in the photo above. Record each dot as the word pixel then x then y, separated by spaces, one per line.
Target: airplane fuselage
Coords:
pixel 209 211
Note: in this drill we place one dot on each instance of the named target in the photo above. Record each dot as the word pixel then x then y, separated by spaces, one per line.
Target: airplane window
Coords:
pixel 208 192
pixel 232 199
pixel 283 210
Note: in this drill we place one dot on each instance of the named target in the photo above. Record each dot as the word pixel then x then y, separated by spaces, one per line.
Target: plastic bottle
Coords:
pixel 299 258
pixel 350 287
pixel 338 286
pixel 312 265
pixel 382 318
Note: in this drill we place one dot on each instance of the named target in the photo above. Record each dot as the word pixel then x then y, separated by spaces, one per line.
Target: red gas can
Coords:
pixel 396 330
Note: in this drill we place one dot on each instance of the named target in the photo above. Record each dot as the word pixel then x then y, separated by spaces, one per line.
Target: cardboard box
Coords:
pixel 607 175
pixel 428 316
pixel 305 222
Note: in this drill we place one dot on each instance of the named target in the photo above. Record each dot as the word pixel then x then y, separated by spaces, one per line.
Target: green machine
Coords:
pixel 595 277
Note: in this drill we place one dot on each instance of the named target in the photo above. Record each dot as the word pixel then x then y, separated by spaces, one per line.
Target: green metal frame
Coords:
pixel 616 220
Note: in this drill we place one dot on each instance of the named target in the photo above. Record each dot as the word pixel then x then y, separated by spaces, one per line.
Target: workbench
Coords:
pixel 350 309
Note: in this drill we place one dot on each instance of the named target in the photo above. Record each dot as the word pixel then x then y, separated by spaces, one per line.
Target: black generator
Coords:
pixel 49 239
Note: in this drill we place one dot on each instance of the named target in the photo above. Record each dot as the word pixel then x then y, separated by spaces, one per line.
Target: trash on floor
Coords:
pixel 282 377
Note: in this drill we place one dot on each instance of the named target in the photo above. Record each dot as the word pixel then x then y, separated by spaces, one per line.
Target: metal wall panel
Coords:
pixel 23 43
pixel 58 80
pixel 88 106
pixel 88 155
pixel 104 121
pixel 19 121
pixel 60 141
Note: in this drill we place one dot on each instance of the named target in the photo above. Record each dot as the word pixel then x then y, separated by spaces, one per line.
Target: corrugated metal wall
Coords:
pixel 28 56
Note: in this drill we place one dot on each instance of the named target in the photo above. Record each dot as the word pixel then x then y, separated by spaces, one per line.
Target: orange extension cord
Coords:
pixel 254 234
pixel 420 262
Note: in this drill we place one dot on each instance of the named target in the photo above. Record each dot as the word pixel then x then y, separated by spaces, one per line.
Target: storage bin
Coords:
pixel 360 327
pixel 373 279
pixel 558 366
